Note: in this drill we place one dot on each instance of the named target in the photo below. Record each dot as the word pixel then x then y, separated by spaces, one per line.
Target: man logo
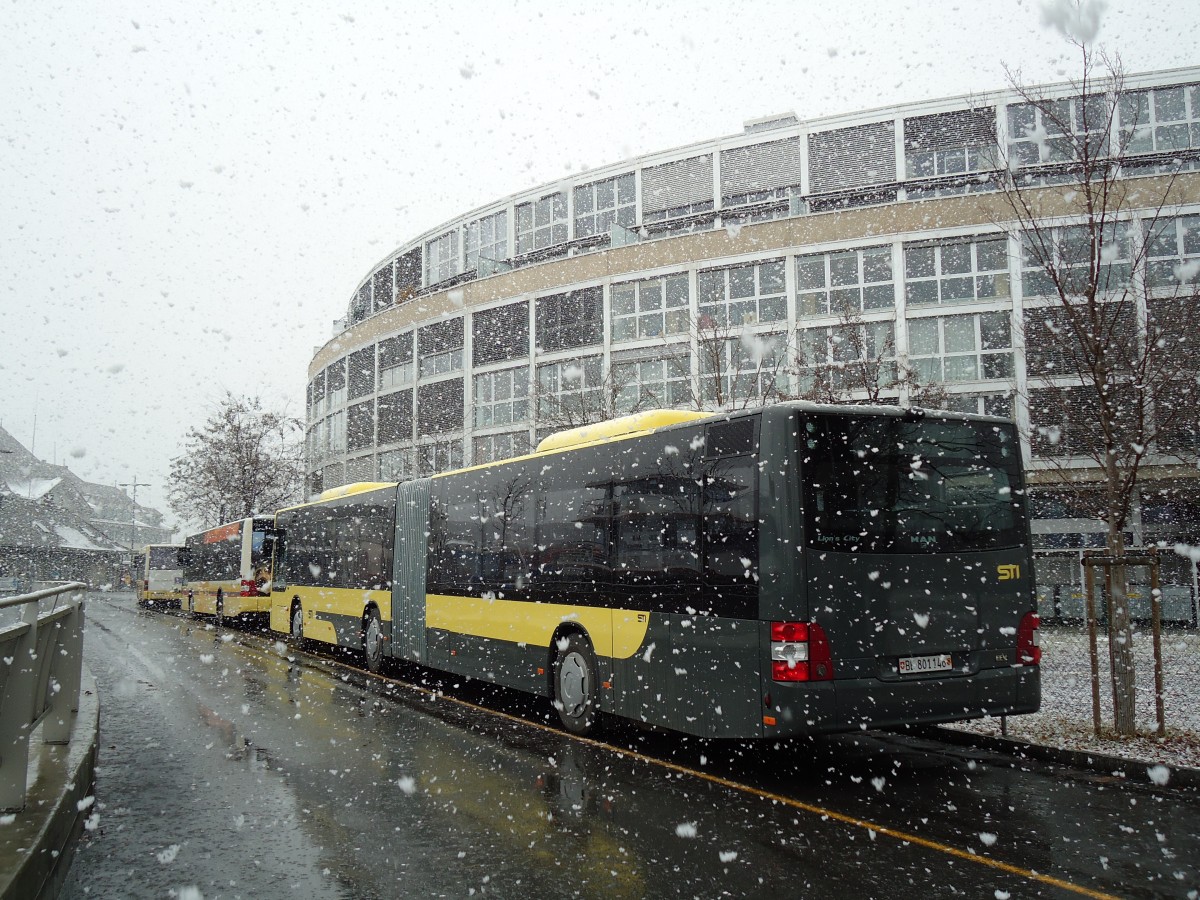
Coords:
pixel 1009 572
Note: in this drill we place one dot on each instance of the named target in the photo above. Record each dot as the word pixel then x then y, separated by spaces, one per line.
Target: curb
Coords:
pixel 1134 770
pixel 36 849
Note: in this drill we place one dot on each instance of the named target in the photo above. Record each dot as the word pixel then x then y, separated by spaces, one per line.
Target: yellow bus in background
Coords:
pixel 161 582
pixel 228 569
pixel 334 584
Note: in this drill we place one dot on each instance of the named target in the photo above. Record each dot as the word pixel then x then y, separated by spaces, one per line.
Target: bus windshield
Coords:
pixel 884 484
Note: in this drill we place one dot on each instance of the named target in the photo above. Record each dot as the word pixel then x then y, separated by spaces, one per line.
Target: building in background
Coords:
pixel 54 526
pixel 715 271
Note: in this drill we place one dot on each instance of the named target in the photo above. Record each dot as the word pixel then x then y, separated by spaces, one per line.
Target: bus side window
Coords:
pixel 730 523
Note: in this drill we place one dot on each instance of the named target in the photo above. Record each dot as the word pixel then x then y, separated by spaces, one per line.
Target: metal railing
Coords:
pixel 41 663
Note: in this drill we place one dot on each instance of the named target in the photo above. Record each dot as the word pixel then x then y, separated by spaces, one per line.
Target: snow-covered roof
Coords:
pixel 75 539
pixel 31 488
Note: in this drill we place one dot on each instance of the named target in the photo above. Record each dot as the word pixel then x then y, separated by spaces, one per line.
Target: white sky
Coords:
pixel 191 191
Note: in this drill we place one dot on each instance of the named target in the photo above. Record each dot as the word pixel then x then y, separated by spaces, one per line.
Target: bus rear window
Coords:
pixel 884 484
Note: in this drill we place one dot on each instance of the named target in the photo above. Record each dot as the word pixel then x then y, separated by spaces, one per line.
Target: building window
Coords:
pixel 961 348
pixel 956 271
pixel 381 282
pixel 653 383
pixel 984 404
pixel 845 282
pixel 736 373
pixel 441 258
pixel 651 308
pixel 335 384
pixel 1161 120
pixel 501 398
pixel 336 424
pixel 950 143
pixel 333 475
pixel 500 334
pixel 850 357
pixel 396 361
pixel 487 238
pixel 743 295
pixel 598 206
pixel 488 448
pixel 680 188
pixel 318 442
pixel 542 224
pixel 318 397
pixel 567 321
pixel 439 456
pixel 440 348
pixel 1065 254
pixel 759 173
pixel 397 465
pixel 1051 131
pixel 396 417
pixel 854 159
pixel 1173 252
pixel 362 372
pixel 361 468
pixel 567 388
pixel 361 426
pixel 440 407
pixel 408 275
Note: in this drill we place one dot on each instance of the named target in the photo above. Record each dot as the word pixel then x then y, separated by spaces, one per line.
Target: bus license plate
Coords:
pixel 914 665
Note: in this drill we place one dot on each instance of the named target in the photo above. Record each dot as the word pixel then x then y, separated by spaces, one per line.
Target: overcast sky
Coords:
pixel 191 191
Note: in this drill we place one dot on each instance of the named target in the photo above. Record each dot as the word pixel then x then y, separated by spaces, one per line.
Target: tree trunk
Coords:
pixel 1120 634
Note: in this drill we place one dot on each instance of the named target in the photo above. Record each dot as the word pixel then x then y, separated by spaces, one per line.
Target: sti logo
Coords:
pixel 1009 572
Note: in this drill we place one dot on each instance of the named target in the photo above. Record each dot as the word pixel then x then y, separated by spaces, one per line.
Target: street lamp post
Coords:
pixel 134 485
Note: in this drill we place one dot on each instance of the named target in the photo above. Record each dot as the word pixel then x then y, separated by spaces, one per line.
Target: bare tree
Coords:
pixel 737 368
pixel 1112 352
pixel 244 460
pixel 588 393
pixel 855 361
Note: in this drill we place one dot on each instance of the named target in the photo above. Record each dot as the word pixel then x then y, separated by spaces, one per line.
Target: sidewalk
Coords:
pixel 36 843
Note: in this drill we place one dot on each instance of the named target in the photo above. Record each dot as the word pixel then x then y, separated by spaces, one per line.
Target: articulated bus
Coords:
pixel 781 571
pixel 162 574
pixel 228 569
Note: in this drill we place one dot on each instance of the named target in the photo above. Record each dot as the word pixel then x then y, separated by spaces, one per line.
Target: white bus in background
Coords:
pixel 161 583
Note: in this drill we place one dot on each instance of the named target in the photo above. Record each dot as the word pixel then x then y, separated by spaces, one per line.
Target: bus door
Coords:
pixel 409 570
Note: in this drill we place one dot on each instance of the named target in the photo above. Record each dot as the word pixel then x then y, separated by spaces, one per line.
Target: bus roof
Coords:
pixel 624 426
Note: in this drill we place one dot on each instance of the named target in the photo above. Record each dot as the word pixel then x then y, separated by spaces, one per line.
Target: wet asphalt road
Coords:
pixel 232 768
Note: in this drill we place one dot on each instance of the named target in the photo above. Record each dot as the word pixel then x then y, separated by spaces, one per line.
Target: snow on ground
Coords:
pixel 1065 719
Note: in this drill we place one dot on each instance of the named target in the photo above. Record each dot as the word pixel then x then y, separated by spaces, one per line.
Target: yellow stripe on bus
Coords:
pixel 615 633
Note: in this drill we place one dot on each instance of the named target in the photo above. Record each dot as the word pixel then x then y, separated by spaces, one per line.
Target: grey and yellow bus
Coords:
pixel 228 569
pixel 161 583
pixel 780 571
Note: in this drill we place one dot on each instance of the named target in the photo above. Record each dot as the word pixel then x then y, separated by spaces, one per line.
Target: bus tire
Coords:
pixel 372 641
pixel 297 625
pixel 191 605
pixel 220 607
pixel 575 684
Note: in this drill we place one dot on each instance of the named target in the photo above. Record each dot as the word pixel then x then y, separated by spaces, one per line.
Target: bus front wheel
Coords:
pixel 297 626
pixel 372 641
pixel 575 684
pixel 220 607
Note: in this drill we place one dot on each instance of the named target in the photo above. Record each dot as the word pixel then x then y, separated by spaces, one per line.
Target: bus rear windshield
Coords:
pixel 166 558
pixel 884 484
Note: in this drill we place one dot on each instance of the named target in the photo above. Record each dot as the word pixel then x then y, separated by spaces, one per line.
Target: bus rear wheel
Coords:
pixel 372 641
pixel 575 684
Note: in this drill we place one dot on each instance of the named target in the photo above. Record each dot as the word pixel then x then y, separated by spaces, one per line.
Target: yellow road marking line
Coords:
pixel 902 836
pixel 844 818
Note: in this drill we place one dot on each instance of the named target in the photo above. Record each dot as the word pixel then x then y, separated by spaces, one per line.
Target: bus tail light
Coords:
pixel 800 652
pixel 1029 649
